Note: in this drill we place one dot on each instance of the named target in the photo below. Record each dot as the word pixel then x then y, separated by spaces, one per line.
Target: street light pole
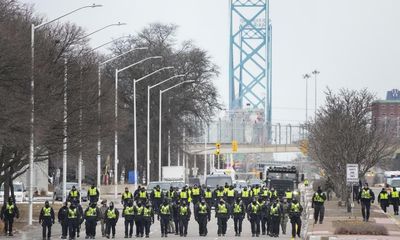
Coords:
pixel 99 108
pixel 32 120
pixel 160 124
pixel 315 73
pixel 148 120
pixel 117 71
pixel 306 77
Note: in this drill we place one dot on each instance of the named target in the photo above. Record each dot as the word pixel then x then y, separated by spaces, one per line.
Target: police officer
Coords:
pixel 171 195
pixel 208 196
pixel 184 218
pixel 289 195
pixel 46 218
pixel 264 193
pixel 383 199
pixel 142 195
pixel 112 215
pixel 93 194
pixel 184 194
pixel 148 218
pixel 139 210
pixel 264 208
pixel 246 196
pixel 126 197
pixel 394 199
pixel 366 197
pixel 164 217
pixel 156 197
pixel 81 217
pixel 128 213
pixel 175 216
pixel 73 220
pixel 8 212
pixel 275 213
pixel 318 200
pixel 196 194
pixel 295 217
pixel 202 214
pixel 73 195
pixel 222 214
pixel 91 215
pixel 284 215
pixel 273 194
pixel 103 210
pixel 219 194
pixel 256 190
pixel 306 182
pixel 238 214
pixel 253 215
pixel 62 216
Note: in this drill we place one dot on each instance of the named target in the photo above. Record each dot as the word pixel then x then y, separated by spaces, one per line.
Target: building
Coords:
pixel 387 112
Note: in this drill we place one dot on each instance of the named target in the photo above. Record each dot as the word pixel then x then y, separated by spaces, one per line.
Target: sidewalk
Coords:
pixel 335 215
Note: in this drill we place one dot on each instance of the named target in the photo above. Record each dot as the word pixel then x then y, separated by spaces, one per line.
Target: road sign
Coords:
pixel 352 173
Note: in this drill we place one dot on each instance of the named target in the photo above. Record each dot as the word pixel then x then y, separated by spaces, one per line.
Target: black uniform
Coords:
pixel 202 214
pixel 253 215
pixel 394 199
pixel 139 209
pixel 156 197
pixel 275 213
pixel 295 217
pixel 209 197
pixel 46 218
pixel 184 214
pixel 148 218
pixel 91 215
pixel 112 215
pixel 238 213
pixel 318 204
pixel 366 196
pixel 81 218
pixel 73 195
pixel 264 209
pixel 63 220
pixel 196 194
pixel 129 214
pixel 73 220
pixel 8 212
pixel 126 197
pixel 164 217
pixel 175 215
pixel 222 214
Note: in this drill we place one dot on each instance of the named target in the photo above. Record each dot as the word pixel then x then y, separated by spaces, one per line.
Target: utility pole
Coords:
pixel 315 73
pixel 306 77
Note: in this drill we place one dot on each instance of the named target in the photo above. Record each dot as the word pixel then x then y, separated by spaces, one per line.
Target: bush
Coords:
pixel 359 228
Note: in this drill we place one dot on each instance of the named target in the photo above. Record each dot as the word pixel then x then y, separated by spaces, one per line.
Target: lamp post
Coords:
pixel 306 77
pixel 32 120
pixel 160 124
pixel 117 71
pixel 148 120
pixel 315 73
pixel 134 116
pixel 99 108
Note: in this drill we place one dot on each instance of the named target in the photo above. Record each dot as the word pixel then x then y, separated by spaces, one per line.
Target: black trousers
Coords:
pixel 8 224
pixel 46 227
pixel 319 211
pixel 384 205
pixel 139 227
pixel 177 225
pixel 202 220
pixel 238 220
pixel 90 225
pixel 146 223
pixel 164 222
pixel 396 206
pixel 222 225
pixel 295 221
pixel 64 228
pixel 129 226
pixel 255 224
pixel 183 226
pixel 365 208
pixel 275 222
pixel 72 227
pixel 264 224
pixel 110 226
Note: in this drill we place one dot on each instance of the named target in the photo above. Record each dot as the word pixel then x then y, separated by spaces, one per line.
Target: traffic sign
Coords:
pixel 352 173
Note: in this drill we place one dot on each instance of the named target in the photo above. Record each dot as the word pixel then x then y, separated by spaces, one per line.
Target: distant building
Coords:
pixel 387 112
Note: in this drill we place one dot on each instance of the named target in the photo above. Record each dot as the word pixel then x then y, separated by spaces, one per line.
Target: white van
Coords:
pixel 19 192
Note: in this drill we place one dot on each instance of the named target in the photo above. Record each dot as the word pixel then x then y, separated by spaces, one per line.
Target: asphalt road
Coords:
pixel 35 232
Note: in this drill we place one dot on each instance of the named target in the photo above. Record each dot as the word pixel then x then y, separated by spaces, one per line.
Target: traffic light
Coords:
pixel 304 147
pixel 234 146
pixel 218 145
pixel 217 151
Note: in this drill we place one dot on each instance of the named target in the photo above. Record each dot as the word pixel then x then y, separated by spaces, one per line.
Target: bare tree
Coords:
pixel 343 133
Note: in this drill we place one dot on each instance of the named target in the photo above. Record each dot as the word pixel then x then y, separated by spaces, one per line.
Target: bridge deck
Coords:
pixel 198 149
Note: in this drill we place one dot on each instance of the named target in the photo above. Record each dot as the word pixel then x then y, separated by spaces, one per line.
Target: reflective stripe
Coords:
pixel 295 207
pixel 274 211
pixel 91 212
pixel 208 194
pixel 254 208
pixel 318 198
pixel 72 213
pixel 222 208
pixel 237 208
pixel 147 212
pixel 202 208
pixel 47 211
pixel 10 208
pixel 128 211
pixel 183 210
pixel 165 210
pixel 139 210
pixel 111 213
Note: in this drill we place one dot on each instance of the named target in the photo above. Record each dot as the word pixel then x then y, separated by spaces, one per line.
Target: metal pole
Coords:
pixel 179 157
pixel 80 132
pixel 219 166
pixel 169 148
pixel 116 135
pixel 99 127
pixel 135 165
pixel 148 134
pixel 31 146
pixel 65 132
pixel 205 153
pixel 306 99
pixel 159 136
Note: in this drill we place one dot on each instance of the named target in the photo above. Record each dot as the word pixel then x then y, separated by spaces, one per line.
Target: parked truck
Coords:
pixel 282 178
pixel 173 174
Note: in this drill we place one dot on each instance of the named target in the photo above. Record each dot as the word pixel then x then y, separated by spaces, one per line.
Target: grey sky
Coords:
pixel 353 43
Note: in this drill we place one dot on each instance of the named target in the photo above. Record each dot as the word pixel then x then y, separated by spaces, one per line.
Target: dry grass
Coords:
pixel 355 227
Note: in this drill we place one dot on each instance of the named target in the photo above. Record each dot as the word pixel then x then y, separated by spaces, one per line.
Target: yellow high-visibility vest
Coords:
pixel 384 196
pixel 91 212
pixel 183 210
pixel 196 191
pixel 73 193
pixel 147 212
pixel 231 193
pixel 165 210
pixel 183 195
pixel 111 213
pixel 222 208
pixel 395 194
pixel 274 211
pixel 237 208
pixel 202 208
pixel 318 198
pixel 139 210
pixel 289 195
pixel 245 194
pixel 220 193
pixel 142 194
pixel 365 194
pixel 128 210
pixel 10 208
pixel 47 211
pixel 92 192
pixel 208 194
pixel 295 207
pixel 256 191
pixel 254 208
pixel 127 195
pixel 157 194
pixel 72 213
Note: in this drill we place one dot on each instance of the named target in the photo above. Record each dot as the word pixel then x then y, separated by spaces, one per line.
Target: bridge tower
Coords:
pixel 250 57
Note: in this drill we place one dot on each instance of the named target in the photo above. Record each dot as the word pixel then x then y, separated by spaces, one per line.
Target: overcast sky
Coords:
pixel 353 43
